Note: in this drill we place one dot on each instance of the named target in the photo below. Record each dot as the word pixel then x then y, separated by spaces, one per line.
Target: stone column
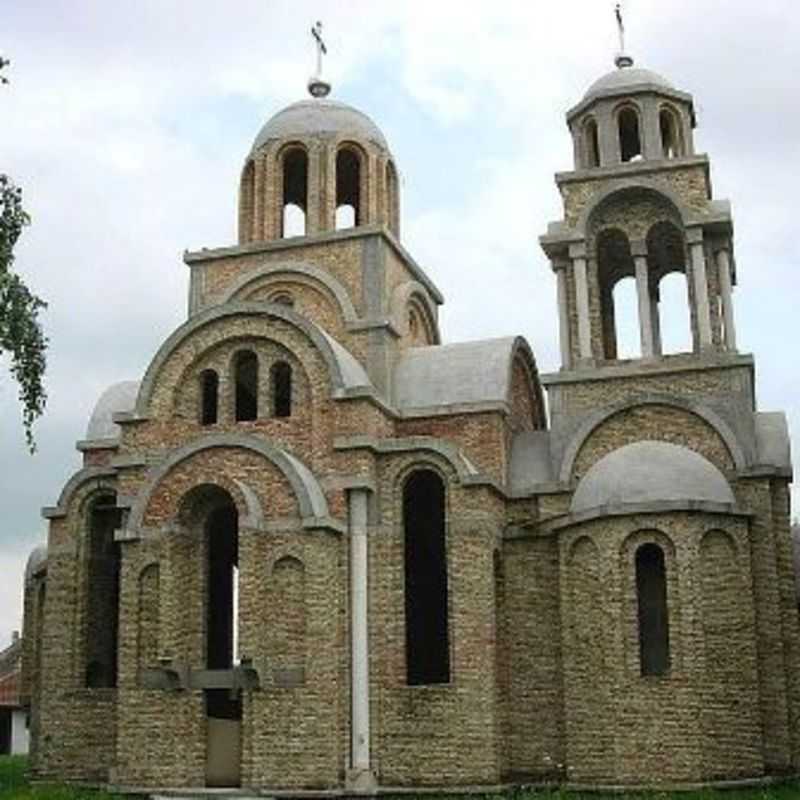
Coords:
pixel 726 289
pixel 563 315
pixel 703 311
pixel 360 776
pixel 578 255
pixel 655 320
pixel 314 189
pixel 259 231
pixel 644 300
pixel 607 136
pixel 650 130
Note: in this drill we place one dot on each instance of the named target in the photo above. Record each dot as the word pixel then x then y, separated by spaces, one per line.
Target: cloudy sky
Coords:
pixel 127 124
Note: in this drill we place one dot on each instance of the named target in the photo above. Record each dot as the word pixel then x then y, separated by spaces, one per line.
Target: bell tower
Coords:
pixel 638 204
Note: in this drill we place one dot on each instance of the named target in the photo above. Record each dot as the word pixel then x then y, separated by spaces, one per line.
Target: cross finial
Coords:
pixel 317 85
pixel 622 59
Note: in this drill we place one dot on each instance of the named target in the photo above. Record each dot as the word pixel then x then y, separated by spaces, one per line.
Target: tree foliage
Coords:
pixel 21 334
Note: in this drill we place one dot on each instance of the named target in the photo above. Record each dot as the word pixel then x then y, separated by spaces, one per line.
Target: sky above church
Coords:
pixel 127 124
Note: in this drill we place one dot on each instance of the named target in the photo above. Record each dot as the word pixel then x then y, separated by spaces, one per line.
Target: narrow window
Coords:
pixel 222 533
pixel 626 320
pixel 348 189
pixel 246 380
pixel 427 637
pixel 591 144
pixel 630 144
pixel 295 192
pixel 281 390
pixel 670 137
pixel 209 393
pixel 392 199
pixel 102 606
pixel 651 593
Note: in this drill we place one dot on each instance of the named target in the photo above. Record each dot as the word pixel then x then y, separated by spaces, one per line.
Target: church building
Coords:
pixel 317 548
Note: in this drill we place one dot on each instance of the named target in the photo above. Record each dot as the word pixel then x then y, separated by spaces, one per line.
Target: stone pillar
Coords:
pixel 726 289
pixel 360 776
pixel 259 230
pixel 644 299
pixel 578 255
pixel 314 189
pixel 607 136
pixel 650 130
pixel 700 281
pixel 655 320
pixel 563 315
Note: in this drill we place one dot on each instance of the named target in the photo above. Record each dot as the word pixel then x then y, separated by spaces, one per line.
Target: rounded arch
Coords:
pixel 79 486
pixel 351 177
pixel 344 370
pixel 247 194
pixel 406 293
pixel 597 418
pixel 292 160
pixel 673 138
pixel 308 492
pixel 618 189
pixel 522 357
pixel 442 460
pixel 590 142
pixel 315 276
pixel 628 123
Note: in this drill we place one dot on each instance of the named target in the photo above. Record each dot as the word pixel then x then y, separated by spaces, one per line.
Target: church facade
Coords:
pixel 317 548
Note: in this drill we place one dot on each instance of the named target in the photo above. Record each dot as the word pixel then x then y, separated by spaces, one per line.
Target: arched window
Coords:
pixel 281 389
pixel 209 397
pixel 222 542
pixel 295 192
pixel 392 199
pixel 348 188
pixel 651 594
pixel 618 302
pixel 246 382
pixel 591 144
pixel 427 629
pixel 671 143
pixel 247 203
pixel 102 587
pixel 630 143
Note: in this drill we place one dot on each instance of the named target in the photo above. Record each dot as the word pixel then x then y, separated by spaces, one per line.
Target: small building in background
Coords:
pixel 13 717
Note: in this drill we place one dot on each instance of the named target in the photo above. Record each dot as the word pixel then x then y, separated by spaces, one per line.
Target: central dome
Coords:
pixel 320 117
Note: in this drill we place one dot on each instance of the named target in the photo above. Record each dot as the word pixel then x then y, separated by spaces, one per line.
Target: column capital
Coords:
pixel 577 250
pixel 695 235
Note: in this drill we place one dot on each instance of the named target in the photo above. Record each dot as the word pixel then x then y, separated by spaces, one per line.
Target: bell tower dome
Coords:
pixel 317 166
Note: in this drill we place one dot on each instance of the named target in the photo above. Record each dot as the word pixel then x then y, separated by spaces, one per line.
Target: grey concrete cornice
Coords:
pixel 84 445
pixel 639 368
pixel 629 91
pixel 630 169
pixel 633 509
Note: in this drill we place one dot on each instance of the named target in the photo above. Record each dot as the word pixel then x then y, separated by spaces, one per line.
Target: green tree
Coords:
pixel 21 335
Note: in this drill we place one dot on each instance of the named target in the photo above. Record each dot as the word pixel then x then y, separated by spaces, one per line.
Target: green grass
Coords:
pixel 14 785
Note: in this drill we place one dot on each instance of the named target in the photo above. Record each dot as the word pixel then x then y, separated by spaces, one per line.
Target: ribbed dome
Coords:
pixel 320 117
pixel 651 472
pixel 626 79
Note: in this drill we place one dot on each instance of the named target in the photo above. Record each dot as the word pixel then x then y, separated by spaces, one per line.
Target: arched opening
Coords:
pixel 591 144
pixel 281 389
pixel 102 600
pixel 666 257
pixel 348 188
pixel 282 299
pixel 651 595
pixel 427 628
pixel 618 305
pixel 247 194
pixel 295 192
pixel 209 397
pixel 392 199
pixel 674 317
pixel 626 319
pixel 630 142
pixel 222 543
pixel 671 141
pixel 246 383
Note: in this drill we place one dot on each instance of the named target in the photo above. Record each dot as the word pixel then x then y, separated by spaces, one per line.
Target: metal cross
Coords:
pixel 316 32
pixel 621 26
